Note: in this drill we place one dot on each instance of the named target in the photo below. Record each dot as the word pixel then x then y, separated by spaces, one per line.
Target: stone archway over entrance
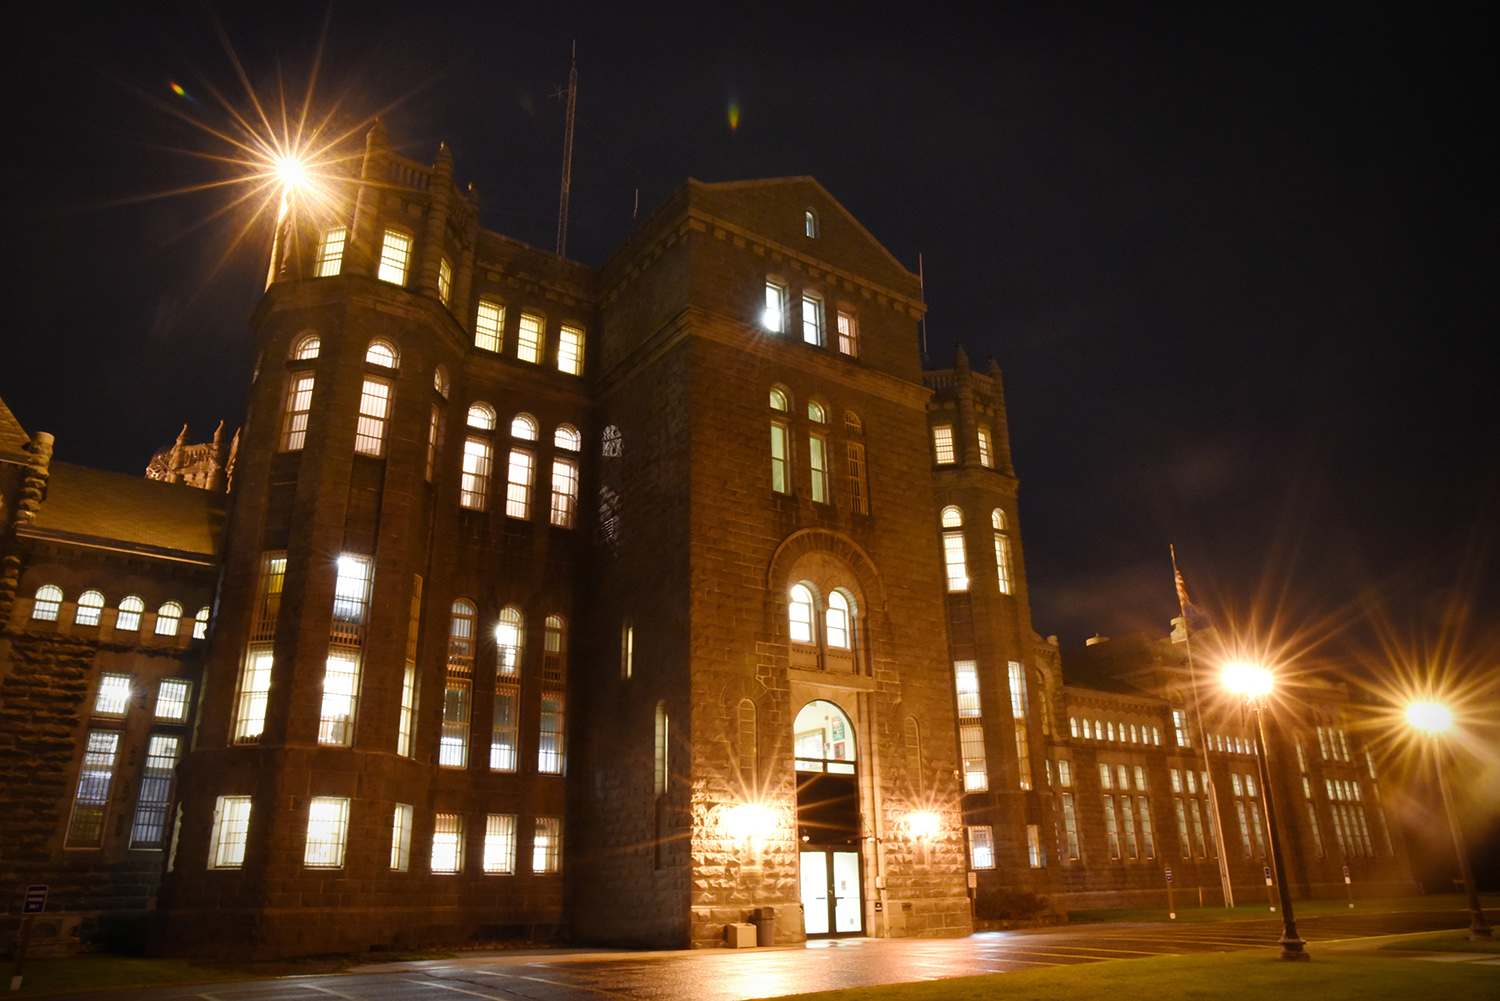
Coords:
pixel 830 864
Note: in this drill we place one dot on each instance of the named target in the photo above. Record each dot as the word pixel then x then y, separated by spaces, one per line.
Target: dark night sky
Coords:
pixel 1238 267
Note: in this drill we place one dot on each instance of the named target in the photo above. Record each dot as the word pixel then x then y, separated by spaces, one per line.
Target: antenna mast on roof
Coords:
pixel 567 168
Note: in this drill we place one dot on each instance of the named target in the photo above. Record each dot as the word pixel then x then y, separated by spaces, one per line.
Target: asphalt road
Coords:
pixel 736 975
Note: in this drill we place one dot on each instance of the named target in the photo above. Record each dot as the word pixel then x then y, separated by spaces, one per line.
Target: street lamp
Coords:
pixel 1435 720
pixel 1253 685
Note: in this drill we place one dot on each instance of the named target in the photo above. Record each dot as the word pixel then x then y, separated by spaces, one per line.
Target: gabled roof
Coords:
pixel 13 437
pixel 111 510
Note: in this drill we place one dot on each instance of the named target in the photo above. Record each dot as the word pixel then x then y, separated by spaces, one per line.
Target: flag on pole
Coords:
pixel 1182 595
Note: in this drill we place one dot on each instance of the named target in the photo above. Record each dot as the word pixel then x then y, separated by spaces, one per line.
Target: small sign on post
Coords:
pixel 34 902
pixel 1270 895
pixel 1349 886
pixel 1171 907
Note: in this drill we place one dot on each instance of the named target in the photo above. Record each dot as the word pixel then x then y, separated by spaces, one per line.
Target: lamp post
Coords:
pixel 1253 684
pixel 1435 720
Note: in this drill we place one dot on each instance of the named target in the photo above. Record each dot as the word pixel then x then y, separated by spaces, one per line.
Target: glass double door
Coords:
pixel 831 902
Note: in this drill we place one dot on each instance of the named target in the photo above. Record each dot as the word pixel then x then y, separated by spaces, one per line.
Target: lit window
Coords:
pixel 48 601
pixel 981 847
pixel 1070 825
pixel 942 444
pixel 986 451
pixel 554 652
pixel 529 346
pixel 1179 727
pixel 812 320
pixel 1064 772
pixel 330 259
pixel 155 795
pixel 113 697
pixel 549 760
pixel 128 620
pixel 448 843
pixel 523 426
pixel 508 635
pixel 661 733
pixel 327 832
pixel 1073 726
pixel 200 623
pixel 500 844
pixel 462 629
pixel 774 317
pixel 971 742
pixel 817 459
pixel 401 837
pixel 489 325
pixel 848 335
pixel 374 412
pixel 298 405
pixel 564 492
pixel 407 720
pixel 307 349
pixel 474 483
pixel 1018 711
pixel 518 484
pixel 440 381
pixel 810 223
pixel 505 731
pixel 955 560
pixel 570 350
pixel 800 614
pixel 395 255
pixel 966 683
pixel 255 676
pixel 445 280
pixel 86 826
pixel 780 453
pixel 779 401
pixel 172 699
pixel 90 605
pixel 434 431
pixel 383 354
pixel 168 618
pixel 226 849
pixel 836 622
pixel 627 649
pixel 351 601
pixel 546 847
pixel 453 738
pixel 1034 846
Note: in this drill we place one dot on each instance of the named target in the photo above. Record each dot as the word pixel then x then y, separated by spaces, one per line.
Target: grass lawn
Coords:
pixel 1188 910
pixel 99 972
pixel 1222 977
pixel 1443 941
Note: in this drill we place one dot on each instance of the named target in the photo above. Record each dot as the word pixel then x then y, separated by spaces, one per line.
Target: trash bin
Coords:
pixel 765 925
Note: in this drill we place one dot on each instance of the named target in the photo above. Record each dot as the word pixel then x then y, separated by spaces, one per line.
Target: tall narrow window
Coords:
pixel 505 732
pixel 564 492
pixel 453 739
pixel 91 605
pixel 836 621
pixel 156 792
pixel 200 624
pixel 529 343
pixel 817 458
pixel 474 483
pixel 406 719
pixel 330 259
pixel 462 622
pixel 942 444
pixel 812 320
pixel 327 832
pixel 570 350
pixel 86 826
pixel 1002 551
pixel 255 675
pixel 374 415
pixel 982 847
pixel 1018 710
pixel 500 844
pixel 448 843
pixel 1034 855
pixel 518 484
pixel 954 559
pixel 298 405
pixel 966 683
pixel 489 325
pixel 351 606
pixel 231 830
pixel 986 449
pixel 546 847
pixel 1180 728
pixel 774 316
pixel 663 772
pixel 1148 839
pixel 1070 825
pixel 1111 827
pixel 401 837
pixel 810 223
pixel 48 601
pixel 1127 813
pixel 549 760
pixel 780 454
pixel 848 334
pixel 554 650
pixel 445 280
pixel 395 256
pixel 800 614
pixel 976 773
pixel 128 620
pixel 172 700
pixel 508 634
pixel 627 650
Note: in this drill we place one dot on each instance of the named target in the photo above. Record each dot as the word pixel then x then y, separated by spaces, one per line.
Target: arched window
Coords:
pixel 955 560
pixel 817 454
pixel 810 223
pixel 48 601
pixel 1073 725
pixel 554 650
pixel 508 637
pixel 482 417
pixel 800 614
pixel 779 400
pixel 816 413
pixel 1002 551
pixel 567 437
pixel 90 604
pixel 836 621
pixel 129 617
pixel 1088 731
pixel 479 453
pixel 823 739
pixel 382 353
pixel 200 623
pixel 440 380
pixel 168 618
pixel 462 623
pixel 523 426
pixel 781 444
pixel 307 348
pixel 854 455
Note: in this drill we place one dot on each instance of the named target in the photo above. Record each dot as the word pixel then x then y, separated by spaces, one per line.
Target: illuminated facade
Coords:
pixel 628 603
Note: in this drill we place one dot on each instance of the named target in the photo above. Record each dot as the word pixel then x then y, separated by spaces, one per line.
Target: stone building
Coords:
pixel 627 603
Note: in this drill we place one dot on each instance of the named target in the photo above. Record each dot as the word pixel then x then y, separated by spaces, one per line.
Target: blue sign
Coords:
pixel 36 900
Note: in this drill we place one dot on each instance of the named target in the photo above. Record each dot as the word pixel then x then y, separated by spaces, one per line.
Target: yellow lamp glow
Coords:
pixel 922 824
pixel 291 171
pixel 1247 680
pixel 1429 716
pixel 748 821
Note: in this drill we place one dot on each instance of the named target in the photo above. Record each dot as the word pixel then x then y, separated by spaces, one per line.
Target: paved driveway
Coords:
pixel 731 975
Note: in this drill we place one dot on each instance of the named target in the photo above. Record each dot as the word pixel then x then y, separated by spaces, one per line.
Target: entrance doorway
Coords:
pixel 831 870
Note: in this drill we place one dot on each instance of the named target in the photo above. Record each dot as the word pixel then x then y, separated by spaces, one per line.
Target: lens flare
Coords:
pixel 1430 717
pixel 734 116
pixel 1248 680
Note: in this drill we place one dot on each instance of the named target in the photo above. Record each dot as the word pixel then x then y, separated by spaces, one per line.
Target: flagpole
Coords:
pixel 1212 789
